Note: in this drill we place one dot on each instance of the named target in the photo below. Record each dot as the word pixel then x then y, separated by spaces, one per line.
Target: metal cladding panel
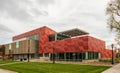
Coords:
pixel 45 38
pixel 79 44
pixel 43 34
pixel 95 45
pixel 107 53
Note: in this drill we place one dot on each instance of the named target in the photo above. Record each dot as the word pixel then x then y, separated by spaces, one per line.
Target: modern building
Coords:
pixel 69 45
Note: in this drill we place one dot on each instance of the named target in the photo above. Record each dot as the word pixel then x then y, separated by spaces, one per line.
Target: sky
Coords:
pixel 19 16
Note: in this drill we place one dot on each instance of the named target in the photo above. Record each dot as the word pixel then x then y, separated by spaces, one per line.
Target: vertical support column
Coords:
pixel 74 56
pixel 43 54
pixel 49 55
pixel 86 55
pixel 28 49
pixel 53 55
pixel 99 56
pixel 55 36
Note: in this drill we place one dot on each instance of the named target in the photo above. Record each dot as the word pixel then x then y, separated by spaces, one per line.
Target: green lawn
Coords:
pixel 35 67
pixel 6 61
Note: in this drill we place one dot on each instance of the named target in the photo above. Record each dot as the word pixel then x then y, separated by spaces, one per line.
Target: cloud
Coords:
pixel 13 9
pixel 23 10
pixel 5 40
pixel 45 2
pixel 60 15
pixel 4 30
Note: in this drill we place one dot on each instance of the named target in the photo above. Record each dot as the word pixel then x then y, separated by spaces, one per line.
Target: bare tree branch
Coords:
pixel 113 11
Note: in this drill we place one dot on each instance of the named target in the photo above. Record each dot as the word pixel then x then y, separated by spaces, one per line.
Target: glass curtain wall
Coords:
pixel 59 37
pixel 93 55
pixel 34 37
pixel 76 56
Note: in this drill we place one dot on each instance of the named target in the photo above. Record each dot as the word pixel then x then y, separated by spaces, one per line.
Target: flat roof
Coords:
pixel 74 32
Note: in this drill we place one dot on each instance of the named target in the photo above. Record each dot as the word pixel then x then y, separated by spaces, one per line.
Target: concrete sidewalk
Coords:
pixel 114 69
pixel 6 71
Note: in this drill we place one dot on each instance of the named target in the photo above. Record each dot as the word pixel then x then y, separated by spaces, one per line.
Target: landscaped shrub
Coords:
pixel 116 60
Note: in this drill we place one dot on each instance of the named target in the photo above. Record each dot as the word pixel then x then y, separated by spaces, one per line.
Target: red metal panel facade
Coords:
pixel 107 53
pixel 67 45
pixel 78 44
pixel 97 45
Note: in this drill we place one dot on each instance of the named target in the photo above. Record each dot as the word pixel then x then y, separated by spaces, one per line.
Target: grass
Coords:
pixel 35 67
pixel 6 61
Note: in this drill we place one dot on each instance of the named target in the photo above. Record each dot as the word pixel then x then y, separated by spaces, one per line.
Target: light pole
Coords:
pixel 112 54
pixel 12 56
pixel 53 55
pixel 28 49
pixel 54 50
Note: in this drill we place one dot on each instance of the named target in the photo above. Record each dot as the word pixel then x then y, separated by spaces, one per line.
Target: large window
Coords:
pixel 34 37
pixel 83 55
pixel 96 55
pixel 61 55
pixel 10 47
pixel 59 37
pixel 17 44
pixel 93 55
pixel 76 56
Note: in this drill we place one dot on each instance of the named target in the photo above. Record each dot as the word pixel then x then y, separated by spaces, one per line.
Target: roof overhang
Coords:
pixel 74 32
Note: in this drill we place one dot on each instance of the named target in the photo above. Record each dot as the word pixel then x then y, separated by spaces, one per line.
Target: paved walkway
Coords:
pixel 6 71
pixel 114 69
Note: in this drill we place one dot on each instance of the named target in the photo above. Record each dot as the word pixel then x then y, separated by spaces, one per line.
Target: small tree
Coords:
pixel 113 12
pixel 2 49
